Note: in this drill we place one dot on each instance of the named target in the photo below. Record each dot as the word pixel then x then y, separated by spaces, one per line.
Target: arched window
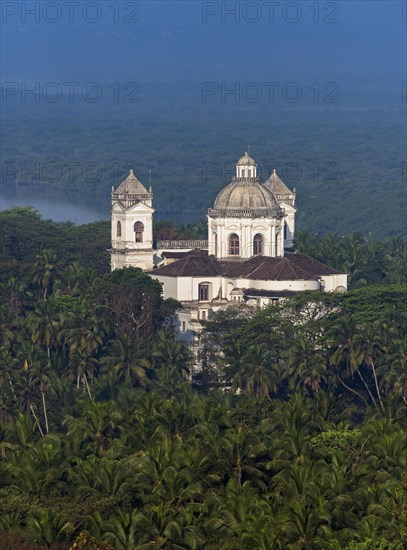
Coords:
pixel 234 249
pixel 203 292
pixel 139 230
pixel 285 231
pixel 258 245
pixel 119 229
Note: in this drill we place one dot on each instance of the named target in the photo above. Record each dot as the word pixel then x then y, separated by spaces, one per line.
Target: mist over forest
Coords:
pixel 343 156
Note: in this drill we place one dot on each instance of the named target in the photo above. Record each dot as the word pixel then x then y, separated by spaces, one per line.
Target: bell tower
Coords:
pixel 132 225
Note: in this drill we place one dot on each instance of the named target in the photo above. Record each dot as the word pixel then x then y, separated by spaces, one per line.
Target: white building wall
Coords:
pixel 125 251
pixel 339 282
pixel 272 231
pixel 290 224
pixel 278 285
pixel 169 285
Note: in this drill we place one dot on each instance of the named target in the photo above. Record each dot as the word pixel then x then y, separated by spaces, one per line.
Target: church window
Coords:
pixel 183 326
pixel 139 230
pixel 119 229
pixel 250 172
pixel 258 245
pixel 234 248
pixel 203 293
pixel 203 315
pixel 285 231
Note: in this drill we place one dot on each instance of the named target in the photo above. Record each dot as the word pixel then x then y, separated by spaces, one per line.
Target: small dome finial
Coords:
pixel 131 172
pixel 274 170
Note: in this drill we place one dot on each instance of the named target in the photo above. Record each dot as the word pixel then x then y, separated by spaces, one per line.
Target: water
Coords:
pixel 75 207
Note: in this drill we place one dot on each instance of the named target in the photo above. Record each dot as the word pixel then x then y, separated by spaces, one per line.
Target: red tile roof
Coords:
pixel 291 267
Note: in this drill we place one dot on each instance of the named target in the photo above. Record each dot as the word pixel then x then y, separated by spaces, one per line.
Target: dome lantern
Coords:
pixel 246 167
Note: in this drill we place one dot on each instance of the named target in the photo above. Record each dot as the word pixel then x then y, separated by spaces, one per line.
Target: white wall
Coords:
pixel 169 285
pixel 332 282
pixel 278 285
pixel 133 254
pixel 246 228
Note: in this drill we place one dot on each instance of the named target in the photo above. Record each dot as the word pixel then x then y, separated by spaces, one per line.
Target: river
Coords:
pixel 76 207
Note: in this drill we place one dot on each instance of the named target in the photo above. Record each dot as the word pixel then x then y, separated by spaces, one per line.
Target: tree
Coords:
pixel 127 360
pixel 45 271
pixel 307 365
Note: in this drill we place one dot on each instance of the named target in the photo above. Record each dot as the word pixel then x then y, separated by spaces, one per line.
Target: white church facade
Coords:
pixel 248 258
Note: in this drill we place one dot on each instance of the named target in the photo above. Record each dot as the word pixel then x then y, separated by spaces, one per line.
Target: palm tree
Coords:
pixel 44 323
pixel 85 330
pixel 393 370
pixel 98 477
pixel 167 352
pixel 45 271
pixel 21 433
pixel 243 455
pixel 368 345
pixel 306 365
pixel 97 427
pixel 346 353
pixel 46 527
pixel 165 528
pixel 83 366
pixel 40 374
pixel 75 280
pixel 256 377
pixel 233 512
pixel 307 525
pixel 234 361
pixel 122 530
pixel 125 358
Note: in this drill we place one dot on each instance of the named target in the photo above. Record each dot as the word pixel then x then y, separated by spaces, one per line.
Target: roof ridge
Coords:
pixel 264 260
pixel 317 263
pixel 276 185
pixel 131 184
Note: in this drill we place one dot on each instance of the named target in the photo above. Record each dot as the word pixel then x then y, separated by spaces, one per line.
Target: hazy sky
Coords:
pixel 358 44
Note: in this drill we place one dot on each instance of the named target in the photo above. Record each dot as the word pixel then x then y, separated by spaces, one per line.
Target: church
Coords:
pixel 249 256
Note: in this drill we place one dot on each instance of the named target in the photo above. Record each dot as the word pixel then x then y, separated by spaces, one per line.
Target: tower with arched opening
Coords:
pixel 132 225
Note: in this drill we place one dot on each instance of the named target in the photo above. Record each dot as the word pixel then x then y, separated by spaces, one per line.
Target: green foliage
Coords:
pixel 25 237
pixel 328 443
pixel 25 211
pixel 368 262
pixel 292 436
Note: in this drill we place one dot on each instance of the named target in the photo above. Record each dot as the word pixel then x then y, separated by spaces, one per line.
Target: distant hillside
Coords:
pixel 345 159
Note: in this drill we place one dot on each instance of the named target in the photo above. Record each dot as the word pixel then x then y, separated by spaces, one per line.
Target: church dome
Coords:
pixel 244 195
pixel 246 160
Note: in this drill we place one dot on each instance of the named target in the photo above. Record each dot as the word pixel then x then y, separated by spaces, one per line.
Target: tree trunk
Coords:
pixel 45 408
pixel 12 388
pixel 367 388
pixel 352 390
pixel 36 419
pixel 85 379
pixel 377 385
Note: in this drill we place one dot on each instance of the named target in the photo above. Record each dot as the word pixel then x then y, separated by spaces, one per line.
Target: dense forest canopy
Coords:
pixel 346 159
pixel 292 435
